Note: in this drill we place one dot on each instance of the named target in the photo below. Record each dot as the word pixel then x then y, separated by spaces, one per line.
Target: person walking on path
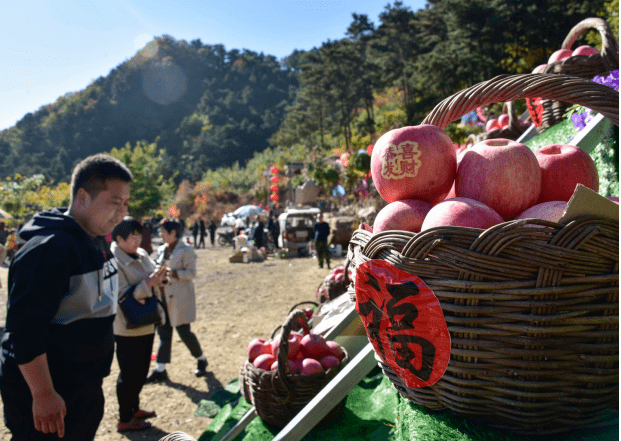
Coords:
pixel 58 343
pixel 133 346
pixel 274 228
pixel 195 233
pixel 179 300
pixel 258 234
pixel 147 234
pixel 212 232
pixel 322 231
pixel 203 232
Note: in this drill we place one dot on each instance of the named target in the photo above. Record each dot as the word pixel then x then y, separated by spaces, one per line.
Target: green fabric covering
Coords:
pixel 369 414
pixel 375 411
pixel 421 424
pixel 210 408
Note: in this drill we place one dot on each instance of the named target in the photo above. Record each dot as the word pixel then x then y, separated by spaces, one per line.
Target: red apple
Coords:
pixel 461 212
pixel 294 345
pixel 562 168
pixel 501 173
pixel 329 361
pixel 311 366
pixel 295 366
pixel 492 124
pixel 559 55
pixel 264 361
pixel 335 349
pixel 503 120
pixel 585 50
pixel 540 68
pixel 405 215
pixel 309 315
pixel 314 346
pixel 451 193
pixel 414 162
pixel 550 211
pixel 257 347
pixel 274 366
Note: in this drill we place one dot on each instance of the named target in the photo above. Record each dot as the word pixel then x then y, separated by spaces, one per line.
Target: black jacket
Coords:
pixel 63 288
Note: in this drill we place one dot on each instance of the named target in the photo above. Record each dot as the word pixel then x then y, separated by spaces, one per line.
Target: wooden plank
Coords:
pixel 337 389
pixel 530 133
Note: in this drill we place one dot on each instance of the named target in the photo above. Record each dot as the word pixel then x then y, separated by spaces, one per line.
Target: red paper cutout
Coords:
pixel 535 110
pixel 404 322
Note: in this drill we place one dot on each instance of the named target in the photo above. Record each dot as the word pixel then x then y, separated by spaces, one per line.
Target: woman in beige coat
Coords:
pixel 133 346
pixel 179 299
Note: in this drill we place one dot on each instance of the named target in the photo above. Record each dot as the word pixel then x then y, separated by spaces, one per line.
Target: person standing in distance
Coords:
pixel 322 231
pixel 63 287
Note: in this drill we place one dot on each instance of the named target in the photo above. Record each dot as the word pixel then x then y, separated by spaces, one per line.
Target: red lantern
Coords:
pixel 274 197
pixel 274 169
pixel 274 179
pixel 274 187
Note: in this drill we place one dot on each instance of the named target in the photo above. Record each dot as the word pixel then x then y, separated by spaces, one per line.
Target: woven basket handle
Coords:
pixel 283 348
pixel 610 46
pixel 294 307
pixel 598 97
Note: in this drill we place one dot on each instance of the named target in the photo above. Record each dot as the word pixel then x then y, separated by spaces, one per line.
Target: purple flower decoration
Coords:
pixel 579 120
pixel 612 80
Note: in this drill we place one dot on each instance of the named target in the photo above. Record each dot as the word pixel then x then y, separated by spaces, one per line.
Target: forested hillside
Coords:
pixel 205 106
pixel 209 108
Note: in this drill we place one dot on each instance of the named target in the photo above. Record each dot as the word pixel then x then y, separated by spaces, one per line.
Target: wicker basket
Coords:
pixel 532 311
pixel 334 288
pixel 278 396
pixel 580 66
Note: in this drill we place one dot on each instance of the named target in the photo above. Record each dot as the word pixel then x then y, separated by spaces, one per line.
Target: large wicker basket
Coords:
pixel 278 396
pixel 531 306
pixel 582 66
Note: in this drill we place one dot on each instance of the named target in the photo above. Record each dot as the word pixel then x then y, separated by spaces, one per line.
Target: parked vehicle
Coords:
pixel 297 228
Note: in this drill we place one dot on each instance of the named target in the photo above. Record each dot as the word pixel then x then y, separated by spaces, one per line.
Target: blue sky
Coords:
pixel 51 47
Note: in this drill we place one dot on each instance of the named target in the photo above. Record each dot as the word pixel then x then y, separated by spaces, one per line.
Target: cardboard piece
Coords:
pixel 585 201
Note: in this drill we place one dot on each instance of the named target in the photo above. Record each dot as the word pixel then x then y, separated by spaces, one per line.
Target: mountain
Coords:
pixel 205 106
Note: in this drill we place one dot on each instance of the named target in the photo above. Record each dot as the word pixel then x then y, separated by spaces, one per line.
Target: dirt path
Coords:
pixel 236 302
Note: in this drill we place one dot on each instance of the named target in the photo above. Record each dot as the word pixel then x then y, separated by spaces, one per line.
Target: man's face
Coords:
pixel 107 209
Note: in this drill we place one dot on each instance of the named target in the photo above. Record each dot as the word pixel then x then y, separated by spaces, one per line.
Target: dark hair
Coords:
pixel 171 224
pixel 127 226
pixel 92 172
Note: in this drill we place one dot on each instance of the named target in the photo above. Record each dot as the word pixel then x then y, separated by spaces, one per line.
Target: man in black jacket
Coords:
pixel 63 286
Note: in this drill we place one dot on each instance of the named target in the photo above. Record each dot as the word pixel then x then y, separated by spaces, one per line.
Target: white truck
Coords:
pixel 297 229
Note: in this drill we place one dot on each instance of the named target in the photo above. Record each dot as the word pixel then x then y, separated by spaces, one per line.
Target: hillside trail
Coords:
pixel 235 302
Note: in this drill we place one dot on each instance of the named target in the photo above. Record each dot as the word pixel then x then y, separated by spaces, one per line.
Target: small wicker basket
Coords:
pixel 278 396
pixel 582 66
pixel 531 306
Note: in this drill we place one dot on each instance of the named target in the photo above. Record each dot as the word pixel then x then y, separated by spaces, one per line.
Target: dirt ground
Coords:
pixel 236 302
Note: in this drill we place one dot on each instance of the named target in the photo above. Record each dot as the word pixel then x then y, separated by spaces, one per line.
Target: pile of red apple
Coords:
pixel 308 354
pixel 562 54
pixel 427 183
pixel 336 275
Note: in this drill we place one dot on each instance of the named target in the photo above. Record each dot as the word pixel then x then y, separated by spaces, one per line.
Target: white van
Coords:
pixel 297 229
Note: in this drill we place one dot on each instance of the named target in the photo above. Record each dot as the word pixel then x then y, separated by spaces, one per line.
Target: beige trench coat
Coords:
pixel 133 272
pixel 180 296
